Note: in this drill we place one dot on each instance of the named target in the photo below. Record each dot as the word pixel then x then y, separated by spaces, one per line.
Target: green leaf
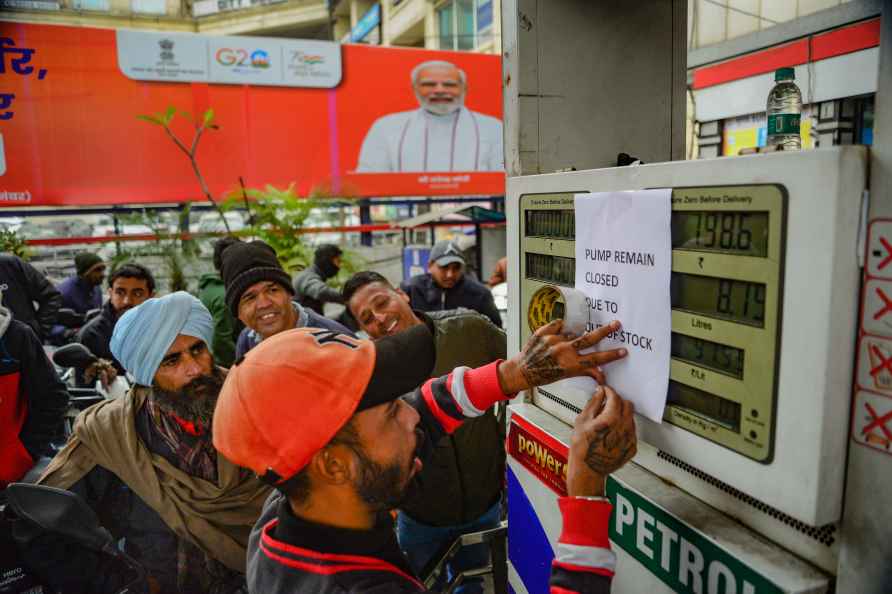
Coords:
pixel 150 119
pixel 209 117
pixel 168 115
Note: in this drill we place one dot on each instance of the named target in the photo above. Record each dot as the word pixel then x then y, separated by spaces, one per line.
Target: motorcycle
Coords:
pixel 63 512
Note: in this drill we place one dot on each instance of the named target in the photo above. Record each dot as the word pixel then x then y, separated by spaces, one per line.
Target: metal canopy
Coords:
pixel 476 214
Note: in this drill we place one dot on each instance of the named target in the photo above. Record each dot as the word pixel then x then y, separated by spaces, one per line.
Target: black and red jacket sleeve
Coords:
pixel 583 560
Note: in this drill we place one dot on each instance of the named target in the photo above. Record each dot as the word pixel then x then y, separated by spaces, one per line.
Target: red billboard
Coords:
pixel 349 120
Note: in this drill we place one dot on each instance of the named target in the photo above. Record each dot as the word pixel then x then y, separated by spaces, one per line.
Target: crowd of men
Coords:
pixel 267 448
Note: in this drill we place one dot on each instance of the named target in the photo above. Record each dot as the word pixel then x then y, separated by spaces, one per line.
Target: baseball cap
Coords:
pixel 295 390
pixel 445 253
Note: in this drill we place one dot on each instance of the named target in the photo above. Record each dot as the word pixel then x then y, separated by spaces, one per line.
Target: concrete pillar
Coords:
pixel 385 22
pixel 431 37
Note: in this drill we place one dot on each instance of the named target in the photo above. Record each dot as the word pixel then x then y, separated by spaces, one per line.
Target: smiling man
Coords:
pixel 146 464
pixel 442 135
pixel 460 488
pixel 320 417
pixel 260 295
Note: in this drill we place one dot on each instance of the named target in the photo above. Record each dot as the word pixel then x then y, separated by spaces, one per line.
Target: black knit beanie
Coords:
pixel 85 261
pixel 247 263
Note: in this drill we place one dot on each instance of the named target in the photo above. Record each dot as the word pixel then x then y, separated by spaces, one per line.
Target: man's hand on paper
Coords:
pixel 603 440
pixel 550 356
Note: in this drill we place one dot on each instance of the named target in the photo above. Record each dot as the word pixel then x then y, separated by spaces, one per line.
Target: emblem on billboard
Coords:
pixel 166 50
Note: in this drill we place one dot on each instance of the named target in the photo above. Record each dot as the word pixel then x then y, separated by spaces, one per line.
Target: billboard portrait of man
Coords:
pixel 441 135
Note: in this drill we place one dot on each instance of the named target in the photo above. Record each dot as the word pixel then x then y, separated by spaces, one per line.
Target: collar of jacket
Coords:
pixel 345 541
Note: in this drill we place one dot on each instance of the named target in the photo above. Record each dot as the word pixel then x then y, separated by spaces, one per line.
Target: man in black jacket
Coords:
pixel 33 400
pixel 128 286
pixel 446 286
pixel 460 488
pixel 344 444
pixel 22 286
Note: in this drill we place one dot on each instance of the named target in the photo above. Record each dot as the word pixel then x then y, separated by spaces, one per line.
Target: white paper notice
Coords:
pixel 623 266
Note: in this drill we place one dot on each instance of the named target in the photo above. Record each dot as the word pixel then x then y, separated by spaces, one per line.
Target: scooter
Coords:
pixel 63 512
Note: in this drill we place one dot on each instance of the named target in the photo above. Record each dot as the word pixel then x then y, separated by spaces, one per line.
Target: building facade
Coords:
pixel 465 25
pixel 735 47
pixel 469 25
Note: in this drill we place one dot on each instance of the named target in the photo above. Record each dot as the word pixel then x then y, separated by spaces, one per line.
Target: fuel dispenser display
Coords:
pixel 764 296
pixel 726 289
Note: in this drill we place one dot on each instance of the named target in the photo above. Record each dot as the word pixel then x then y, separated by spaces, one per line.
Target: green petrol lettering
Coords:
pixel 678 555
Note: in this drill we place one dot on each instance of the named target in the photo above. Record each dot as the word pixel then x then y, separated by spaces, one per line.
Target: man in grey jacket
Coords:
pixel 310 289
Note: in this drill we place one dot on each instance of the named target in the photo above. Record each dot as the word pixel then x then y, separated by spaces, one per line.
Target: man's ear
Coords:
pixel 403 295
pixel 333 465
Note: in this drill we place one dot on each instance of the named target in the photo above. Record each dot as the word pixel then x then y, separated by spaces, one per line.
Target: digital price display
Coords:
pixel 727 262
pixel 715 356
pixel 559 224
pixel 714 408
pixel 736 300
pixel 732 232
pixel 556 270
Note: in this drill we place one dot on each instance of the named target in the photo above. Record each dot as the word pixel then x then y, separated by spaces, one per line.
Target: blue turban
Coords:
pixel 144 333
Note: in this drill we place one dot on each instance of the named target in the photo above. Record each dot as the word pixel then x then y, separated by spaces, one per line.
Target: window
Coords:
pixel 458 24
pixel 149 6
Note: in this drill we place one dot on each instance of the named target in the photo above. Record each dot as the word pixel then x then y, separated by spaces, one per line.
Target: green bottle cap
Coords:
pixel 784 74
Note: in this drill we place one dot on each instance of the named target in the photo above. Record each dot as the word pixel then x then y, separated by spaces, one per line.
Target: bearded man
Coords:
pixel 321 416
pixel 442 135
pixel 147 465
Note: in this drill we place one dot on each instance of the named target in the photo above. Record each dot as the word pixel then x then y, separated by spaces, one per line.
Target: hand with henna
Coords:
pixel 603 440
pixel 551 355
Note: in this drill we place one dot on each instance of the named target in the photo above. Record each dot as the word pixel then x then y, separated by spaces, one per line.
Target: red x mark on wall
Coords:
pixel 887 304
pixel 884 363
pixel 877 421
pixel 888 259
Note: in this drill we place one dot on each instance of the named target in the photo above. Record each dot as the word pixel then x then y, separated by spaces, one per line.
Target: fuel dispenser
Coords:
pixel 751 484
pixel 764 282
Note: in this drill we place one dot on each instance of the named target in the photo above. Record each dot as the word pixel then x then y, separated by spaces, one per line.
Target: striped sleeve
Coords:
pixel 583 560
pixel 464 393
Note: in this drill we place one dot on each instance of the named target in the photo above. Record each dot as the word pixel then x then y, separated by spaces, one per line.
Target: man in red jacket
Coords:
pixel 33 400
pixel 319 415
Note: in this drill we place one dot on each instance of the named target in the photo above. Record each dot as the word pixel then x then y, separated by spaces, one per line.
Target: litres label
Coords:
pixel 783 123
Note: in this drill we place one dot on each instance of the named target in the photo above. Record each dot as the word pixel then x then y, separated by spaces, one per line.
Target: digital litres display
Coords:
pixel 557 224
pixel 715 408
pixel 743 233
pixel 724 298
pixel 715 356
pixel 551 269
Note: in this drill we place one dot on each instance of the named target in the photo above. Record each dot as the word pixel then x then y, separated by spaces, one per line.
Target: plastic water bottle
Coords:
pixel 784 111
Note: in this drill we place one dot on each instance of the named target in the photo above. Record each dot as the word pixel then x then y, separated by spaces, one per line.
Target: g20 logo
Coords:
pixel 240 57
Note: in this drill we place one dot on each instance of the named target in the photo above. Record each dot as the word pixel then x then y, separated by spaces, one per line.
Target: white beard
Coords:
pixel 441 109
